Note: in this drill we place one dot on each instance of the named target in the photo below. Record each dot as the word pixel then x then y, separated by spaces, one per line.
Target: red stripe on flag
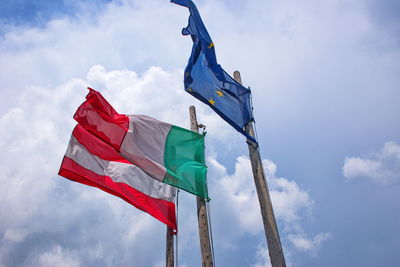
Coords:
pixel 160 209
pixel 98 117
pixel 97 147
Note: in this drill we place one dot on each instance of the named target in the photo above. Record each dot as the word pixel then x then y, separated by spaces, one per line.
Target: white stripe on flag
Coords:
pixel 119 172
pixel 144 144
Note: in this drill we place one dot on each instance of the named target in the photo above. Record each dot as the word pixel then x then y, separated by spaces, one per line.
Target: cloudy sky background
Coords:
pixel 325 78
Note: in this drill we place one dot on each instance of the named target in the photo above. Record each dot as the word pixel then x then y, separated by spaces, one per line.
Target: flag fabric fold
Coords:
pixel 134 157
pixel 205 79
pixel 90 161
pixel 168 153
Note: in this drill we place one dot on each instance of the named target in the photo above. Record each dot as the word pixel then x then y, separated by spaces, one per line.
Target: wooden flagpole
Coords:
pixel 169 248
pixel 204 233
pixel 267 212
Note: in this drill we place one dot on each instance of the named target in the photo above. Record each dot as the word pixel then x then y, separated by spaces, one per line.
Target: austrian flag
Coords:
pixel 134 157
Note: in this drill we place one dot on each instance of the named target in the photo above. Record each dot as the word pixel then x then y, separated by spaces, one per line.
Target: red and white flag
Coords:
pixel 91 161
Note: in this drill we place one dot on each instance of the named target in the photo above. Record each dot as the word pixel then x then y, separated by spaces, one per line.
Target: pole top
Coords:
pixel 236 76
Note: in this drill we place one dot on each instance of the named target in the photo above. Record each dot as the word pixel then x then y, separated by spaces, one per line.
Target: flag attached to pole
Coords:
pixel 134 157
pixel 90 161
pixel 205 79
pixel 167 153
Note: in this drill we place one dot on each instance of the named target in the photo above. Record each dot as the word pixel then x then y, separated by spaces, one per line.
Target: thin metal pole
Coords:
pixel 205 244
pixel 170 248
pixel 267 212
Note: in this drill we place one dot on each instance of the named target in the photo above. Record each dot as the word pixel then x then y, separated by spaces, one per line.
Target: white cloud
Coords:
pixel 331 52
pixel 59 219
pixel 156 93
pixel 288 198
pixel 57 257
pixel 237 192
pixel 310 245
pixel 382 166
pixel 38 140
pixel 52 217
pixel 299 242
pixel 15 235
pixel 239 211
pixel 134 35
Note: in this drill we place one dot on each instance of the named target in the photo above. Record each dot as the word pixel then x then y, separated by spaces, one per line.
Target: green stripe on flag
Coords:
pixel 185 162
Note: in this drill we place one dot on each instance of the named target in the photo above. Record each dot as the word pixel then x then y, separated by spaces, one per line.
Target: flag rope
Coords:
pixel 255 130
pixel 211 236
pixel 254 120
pixel 176 236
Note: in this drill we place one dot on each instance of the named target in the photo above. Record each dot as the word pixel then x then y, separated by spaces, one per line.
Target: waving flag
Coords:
pixel 134 157
pixel 90 161
pixel 207 81
pixel 167 153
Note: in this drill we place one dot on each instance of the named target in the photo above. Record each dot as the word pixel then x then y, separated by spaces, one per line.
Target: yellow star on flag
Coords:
pixel 211 45
pixel 211 101
pixel 219 93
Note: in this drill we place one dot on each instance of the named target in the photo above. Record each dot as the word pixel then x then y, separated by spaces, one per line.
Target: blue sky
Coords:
pixel 326 86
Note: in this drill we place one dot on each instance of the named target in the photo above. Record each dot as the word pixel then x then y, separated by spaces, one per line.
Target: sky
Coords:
pixel 325 81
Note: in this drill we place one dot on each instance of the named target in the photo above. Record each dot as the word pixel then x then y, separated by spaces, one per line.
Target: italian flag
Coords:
pixel 148 153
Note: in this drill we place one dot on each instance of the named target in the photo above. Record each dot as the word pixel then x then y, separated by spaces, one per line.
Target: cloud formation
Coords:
pixel 307 63
pixel 57 222
pixel 310 245
pixel 47 220
pixel 238 203
pixel 381 167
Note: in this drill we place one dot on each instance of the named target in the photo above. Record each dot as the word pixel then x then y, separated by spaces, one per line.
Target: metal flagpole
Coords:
pixel 204 233
pixel 170 248
pixel 267 212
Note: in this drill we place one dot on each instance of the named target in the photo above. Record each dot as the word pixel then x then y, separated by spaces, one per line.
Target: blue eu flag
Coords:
pixel 208 82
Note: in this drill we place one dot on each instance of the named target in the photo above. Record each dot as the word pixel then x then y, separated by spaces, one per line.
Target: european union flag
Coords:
pixel 208 82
